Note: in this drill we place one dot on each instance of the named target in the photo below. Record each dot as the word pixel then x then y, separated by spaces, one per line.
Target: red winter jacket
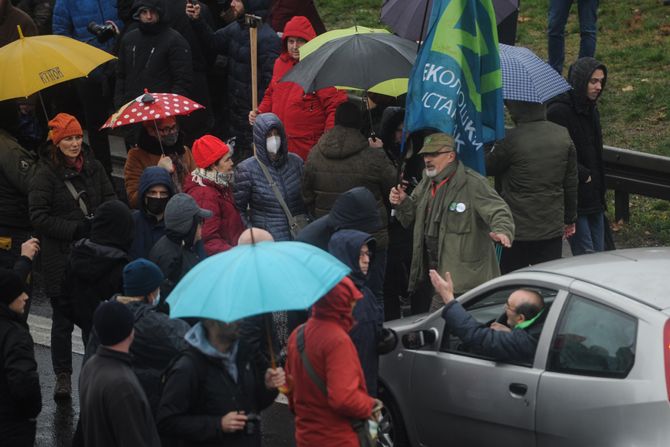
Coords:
pixel 321 421
pixel 305 116
pixel 221 231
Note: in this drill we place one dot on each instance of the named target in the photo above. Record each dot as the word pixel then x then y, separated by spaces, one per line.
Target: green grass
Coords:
pixel 634 43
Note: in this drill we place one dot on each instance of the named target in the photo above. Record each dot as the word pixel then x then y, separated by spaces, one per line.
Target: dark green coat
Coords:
pixel 465 248
pixel 536 171
pixel 17 167
pixel 55 214
pixel 341 160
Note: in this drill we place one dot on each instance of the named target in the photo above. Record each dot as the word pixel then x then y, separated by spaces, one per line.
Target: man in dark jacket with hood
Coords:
pixel 514 341
pixel 356 250
pixel 20 397
pixel 233 43
pixel 536 174
pixel 155 191
pixel 95 265
pixel 152 56
pixel 577 111
pixel 181 248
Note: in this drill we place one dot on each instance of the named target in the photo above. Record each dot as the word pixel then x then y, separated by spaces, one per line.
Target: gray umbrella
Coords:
pixel 409 18
pixel 359 61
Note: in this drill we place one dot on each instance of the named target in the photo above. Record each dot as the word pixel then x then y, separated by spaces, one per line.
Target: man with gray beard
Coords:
pixel 458 217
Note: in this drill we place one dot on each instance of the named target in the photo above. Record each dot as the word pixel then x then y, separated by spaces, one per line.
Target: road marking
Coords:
pixel 40 329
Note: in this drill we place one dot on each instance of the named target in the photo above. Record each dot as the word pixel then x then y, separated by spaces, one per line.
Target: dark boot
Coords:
pixel 63 388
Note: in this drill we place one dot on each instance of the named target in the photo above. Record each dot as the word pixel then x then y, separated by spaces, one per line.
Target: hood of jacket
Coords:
pixel 356 208
pixel 336 305
pixel 156 5
pixel 153 146
pixel 197 337
pixel 113 225
pixel 346 245
pixel 579 76
pixel 342 142
pixel 298 26
pixel 92 260
pixel 265 122
pixel 155 175
pixel 525 112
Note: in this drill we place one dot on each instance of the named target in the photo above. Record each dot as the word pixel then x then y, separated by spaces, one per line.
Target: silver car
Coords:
pixel 600 376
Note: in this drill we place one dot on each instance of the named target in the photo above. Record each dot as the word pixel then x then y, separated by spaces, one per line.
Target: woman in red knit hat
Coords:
pixel 68 185
pixel 210 185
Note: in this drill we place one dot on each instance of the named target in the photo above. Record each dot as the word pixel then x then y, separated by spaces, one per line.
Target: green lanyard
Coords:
pixel 525 324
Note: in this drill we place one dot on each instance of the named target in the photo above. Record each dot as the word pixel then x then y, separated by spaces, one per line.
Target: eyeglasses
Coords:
pixel 435 154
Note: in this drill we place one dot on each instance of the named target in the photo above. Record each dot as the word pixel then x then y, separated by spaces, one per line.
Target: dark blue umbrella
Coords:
pixel 528 78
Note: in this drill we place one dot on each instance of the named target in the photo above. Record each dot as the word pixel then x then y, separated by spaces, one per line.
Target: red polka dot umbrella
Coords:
pixel 151 106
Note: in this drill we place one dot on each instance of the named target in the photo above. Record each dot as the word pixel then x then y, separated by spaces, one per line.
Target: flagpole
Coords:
pixel 423 26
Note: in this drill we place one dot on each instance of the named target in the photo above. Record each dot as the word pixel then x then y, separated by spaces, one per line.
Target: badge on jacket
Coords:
pixel 458 207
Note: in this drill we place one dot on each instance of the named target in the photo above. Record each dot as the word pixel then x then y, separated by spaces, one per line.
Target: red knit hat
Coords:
pixel 63 126
pixel 207 150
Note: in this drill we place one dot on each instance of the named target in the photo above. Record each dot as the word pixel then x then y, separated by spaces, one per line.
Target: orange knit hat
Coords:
pixel 63 126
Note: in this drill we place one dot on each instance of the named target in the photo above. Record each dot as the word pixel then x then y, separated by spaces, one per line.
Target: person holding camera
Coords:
pixel 214 392
pixel 68 186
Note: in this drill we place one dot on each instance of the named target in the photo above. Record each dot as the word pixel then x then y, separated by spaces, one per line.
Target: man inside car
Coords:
pixel 515 342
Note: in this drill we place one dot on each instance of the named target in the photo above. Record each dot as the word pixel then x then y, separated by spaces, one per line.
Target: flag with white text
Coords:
pixel 456 83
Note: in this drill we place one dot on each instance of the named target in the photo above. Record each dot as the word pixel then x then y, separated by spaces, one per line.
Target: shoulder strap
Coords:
pixel 276 192
pixel 307 364
pixel 77 196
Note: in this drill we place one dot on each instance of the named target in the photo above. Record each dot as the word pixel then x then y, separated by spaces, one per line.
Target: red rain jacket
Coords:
pixel 305 116
pixel 321 421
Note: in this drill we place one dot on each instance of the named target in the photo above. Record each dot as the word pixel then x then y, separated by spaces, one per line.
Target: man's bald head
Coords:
pixel 259 235
pixel 523 305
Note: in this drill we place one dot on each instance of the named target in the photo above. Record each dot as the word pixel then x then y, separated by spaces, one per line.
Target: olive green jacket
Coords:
pixel 473 209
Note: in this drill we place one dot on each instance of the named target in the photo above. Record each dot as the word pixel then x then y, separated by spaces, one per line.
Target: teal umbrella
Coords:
pixel 254 279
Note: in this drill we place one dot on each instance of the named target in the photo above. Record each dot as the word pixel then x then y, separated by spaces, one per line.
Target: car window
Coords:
pixel 486 309
pixel 593 339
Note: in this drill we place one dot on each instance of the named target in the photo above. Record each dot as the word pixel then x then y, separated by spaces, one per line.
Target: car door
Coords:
pixel 464 399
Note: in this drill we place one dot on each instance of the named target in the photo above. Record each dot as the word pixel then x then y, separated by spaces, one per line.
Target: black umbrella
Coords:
pixel 358 61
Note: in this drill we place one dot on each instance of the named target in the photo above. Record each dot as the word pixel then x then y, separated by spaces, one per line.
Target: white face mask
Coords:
pixel 157 299
pixel 272 144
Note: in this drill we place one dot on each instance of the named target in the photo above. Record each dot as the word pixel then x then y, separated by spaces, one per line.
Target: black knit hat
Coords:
pixel 349 114
pixel 11 286
pixel 113 322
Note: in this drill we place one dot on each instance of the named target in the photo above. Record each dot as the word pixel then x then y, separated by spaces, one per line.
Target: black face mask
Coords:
pixel 156 205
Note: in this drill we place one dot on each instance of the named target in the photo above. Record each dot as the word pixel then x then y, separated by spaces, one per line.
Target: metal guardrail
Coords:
pixel 632 172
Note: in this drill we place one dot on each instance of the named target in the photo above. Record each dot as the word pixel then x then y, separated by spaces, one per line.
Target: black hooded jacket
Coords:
pixel 577 113
pixel 153 57
pixel 94 272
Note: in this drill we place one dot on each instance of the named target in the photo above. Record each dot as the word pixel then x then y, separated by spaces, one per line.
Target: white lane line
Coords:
pixel 40 329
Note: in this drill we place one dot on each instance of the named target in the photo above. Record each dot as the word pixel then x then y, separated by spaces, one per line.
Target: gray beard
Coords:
pixel 431 172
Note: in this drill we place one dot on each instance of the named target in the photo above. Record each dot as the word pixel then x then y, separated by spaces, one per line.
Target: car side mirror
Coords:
pixel 420 339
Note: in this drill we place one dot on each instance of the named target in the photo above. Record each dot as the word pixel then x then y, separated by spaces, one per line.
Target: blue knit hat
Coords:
pixel 141 277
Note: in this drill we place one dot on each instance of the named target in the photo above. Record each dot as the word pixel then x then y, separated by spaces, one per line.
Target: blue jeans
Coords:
pixel 589 236
pixel 558 17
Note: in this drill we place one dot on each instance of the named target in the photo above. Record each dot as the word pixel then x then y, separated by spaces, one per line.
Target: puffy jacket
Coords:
pixel 284 10
pixel 200 390
pixel 536 166
pixel 252 188
pixel 577 113
pixel 148 153
pixel 341 160
pixel 221 231
pixel 17 167
pixel 154 57
pixel 233 43
pixel 322 420
pixel 71 18
pixel 158 339
pixel 55 214
pixel 20 396
pixel 147 229
pixel 346 245
pixel 305 115
pixel 516 346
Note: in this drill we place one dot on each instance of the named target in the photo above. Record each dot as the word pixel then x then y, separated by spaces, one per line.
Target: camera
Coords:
pixel 253 424
pixel 102 32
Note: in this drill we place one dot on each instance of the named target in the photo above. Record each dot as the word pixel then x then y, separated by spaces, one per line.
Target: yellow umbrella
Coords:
pixel 392 87
pixel 31 64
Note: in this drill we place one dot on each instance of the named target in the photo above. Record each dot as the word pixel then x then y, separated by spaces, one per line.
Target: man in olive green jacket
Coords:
pixel 536 174
pixel 457 218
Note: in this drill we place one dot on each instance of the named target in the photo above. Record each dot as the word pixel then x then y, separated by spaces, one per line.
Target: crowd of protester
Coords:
pixel 316 167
